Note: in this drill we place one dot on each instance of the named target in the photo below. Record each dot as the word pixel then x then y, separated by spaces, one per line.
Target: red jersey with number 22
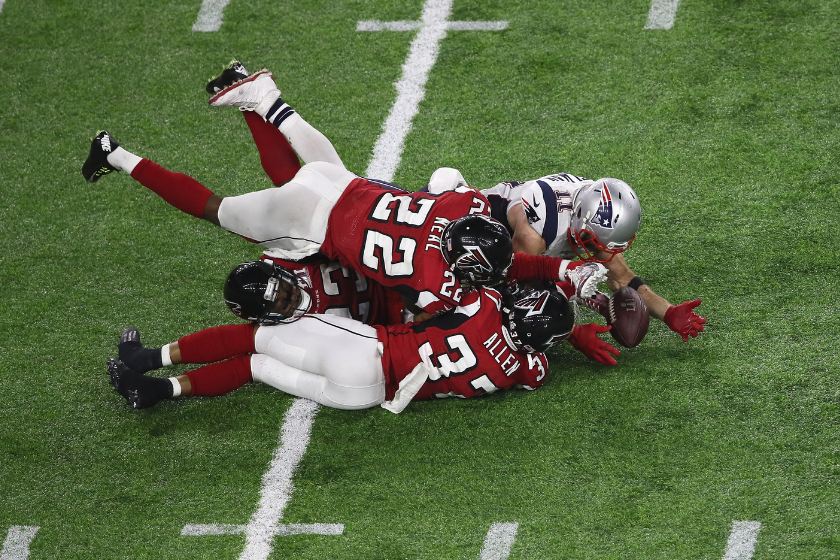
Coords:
pixel 393 237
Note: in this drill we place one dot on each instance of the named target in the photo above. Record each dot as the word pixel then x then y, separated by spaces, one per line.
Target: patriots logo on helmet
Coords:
pixel 474 259
pixel 604 215
pixel 533 303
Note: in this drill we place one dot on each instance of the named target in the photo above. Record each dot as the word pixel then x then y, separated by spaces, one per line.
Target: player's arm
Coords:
pixel 525 238
pixel 680 318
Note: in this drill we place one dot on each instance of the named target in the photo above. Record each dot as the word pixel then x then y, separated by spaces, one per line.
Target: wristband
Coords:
pixel 636 283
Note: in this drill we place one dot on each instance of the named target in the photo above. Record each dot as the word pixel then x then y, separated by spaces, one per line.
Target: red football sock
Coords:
pixel 217 343
pixel 220 378
pixel 181 191
pixel 278 159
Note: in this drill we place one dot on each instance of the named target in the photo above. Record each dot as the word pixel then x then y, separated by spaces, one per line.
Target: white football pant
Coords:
pixel 334 361
pixel 289 221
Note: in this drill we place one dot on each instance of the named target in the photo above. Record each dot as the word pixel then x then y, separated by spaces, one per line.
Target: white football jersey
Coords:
pixel 547 202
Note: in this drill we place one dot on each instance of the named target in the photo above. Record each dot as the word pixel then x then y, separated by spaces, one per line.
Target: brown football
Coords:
pixel 628 316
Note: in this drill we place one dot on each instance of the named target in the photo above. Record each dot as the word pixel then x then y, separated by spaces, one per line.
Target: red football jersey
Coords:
pixel 393 237
pixel 336 290
pixel 467 350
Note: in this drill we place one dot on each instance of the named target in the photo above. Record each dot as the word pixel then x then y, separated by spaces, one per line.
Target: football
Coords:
pixel 628 316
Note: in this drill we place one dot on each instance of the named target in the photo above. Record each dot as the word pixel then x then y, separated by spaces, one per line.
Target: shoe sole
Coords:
pixel 231 87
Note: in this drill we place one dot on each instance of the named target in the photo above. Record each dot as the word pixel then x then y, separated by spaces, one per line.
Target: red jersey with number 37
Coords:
pixel 393 237
pixel 466 350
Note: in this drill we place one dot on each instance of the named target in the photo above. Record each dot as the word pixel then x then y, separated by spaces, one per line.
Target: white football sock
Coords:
pixel 165 356
pixel 176 386
pixel 123 160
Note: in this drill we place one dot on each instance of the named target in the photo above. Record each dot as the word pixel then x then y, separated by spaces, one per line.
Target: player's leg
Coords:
pixel 332 360
pixel 259 93
pixel 278 159
pixel 290 221
pixel 181 191
pixel 143 391
pixel 202 347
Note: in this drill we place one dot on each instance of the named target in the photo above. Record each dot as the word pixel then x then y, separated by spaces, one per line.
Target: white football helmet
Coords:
pixel 605 218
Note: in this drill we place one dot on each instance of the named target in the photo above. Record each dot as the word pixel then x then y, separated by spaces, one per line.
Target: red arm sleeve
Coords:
pixel 525 267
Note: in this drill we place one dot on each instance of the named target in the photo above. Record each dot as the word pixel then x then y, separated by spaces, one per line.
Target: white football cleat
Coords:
pixel 248 93
pixel 586 279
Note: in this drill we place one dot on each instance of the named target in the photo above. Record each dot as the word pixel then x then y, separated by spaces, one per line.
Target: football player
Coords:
pixel 594 220
pixel 430 248
pixel 494 340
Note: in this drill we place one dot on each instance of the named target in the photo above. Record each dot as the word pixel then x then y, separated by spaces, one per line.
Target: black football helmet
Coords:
pixel 253 290
pixel 477 249
pixel 538 319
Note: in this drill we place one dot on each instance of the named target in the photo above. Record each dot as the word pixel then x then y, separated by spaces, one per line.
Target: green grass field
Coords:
pixel 728 127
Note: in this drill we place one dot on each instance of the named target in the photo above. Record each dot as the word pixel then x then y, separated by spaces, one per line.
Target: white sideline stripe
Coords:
pixel 499 540
pixel 376 25
pixel 662 14
pixel 410 89
pixel 210 15
pixel 280 530
pixel 16 545
pixel 742 540
pixel 277 485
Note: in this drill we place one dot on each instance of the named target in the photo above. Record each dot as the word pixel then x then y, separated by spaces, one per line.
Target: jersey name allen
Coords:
pixel 502 353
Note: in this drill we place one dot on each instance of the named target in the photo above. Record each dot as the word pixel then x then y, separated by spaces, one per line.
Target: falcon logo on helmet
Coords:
pixel 534 303
pixel 539 320
pixel 474 260
pixel 477 249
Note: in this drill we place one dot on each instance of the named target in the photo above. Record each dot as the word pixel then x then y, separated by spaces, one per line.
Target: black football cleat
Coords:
pixel 120 375
pixel 136 356
pixel 97 165
pixel 138 390
pixel 234 72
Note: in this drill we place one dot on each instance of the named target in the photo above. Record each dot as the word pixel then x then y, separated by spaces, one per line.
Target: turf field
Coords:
pixel 728 127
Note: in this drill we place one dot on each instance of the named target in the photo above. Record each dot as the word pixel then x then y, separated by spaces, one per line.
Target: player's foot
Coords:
pixel 120 374
pixel 97 164
pixel 139 391
pixel 248 93
pixel 235 72
pixel 136 356
pixel 586 279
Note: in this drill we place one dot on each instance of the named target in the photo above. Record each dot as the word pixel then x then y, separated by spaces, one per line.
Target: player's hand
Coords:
pixel 585 338
pixel 683 320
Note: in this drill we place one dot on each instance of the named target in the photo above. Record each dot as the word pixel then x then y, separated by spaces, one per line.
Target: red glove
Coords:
pixel 585 338
pixel 683 320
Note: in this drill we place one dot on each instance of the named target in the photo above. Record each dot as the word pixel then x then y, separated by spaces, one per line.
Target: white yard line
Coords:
pixel 210 15
pixel 16 545
pixel 499 540
pixel 276 491
pixel 742 540
pixel 411 87
pixel 662 14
